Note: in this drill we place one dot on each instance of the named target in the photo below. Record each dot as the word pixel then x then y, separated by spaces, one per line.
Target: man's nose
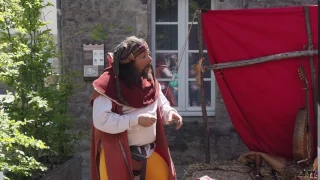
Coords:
pixel 149 59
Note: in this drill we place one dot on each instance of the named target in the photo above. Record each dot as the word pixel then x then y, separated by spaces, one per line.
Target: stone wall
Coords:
pixel 118 19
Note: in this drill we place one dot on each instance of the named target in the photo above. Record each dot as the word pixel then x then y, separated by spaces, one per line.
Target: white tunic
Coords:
pixel 107 121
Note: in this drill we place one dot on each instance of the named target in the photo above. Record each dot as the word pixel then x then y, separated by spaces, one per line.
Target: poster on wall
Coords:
pixel 93 61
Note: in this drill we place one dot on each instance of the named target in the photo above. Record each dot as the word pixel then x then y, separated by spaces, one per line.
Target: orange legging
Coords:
pixel 157 168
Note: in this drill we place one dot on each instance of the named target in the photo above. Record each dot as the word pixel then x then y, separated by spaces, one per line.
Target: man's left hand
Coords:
pixel 176 118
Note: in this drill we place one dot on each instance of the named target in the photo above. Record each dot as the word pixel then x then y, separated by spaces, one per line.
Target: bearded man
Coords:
pixel 129 110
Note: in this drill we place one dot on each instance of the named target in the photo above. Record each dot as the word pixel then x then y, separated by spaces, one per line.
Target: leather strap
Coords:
pixel 140 169
pixel 143 169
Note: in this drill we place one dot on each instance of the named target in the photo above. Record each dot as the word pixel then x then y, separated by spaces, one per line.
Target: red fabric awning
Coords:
pixel 263 99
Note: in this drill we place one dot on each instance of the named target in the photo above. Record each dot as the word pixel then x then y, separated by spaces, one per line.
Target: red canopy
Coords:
pixel 263 99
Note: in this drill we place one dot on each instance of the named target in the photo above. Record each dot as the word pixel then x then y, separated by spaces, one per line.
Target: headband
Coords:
pixel 134 53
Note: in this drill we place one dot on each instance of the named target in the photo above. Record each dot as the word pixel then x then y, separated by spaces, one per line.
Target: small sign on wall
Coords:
pixel 94 61
pixel 90 71
pixel 98 57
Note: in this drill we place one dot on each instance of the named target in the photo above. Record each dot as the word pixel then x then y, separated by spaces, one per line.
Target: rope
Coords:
pixel 176 69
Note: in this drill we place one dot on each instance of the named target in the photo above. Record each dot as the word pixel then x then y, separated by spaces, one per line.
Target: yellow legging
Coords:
pixel 157 168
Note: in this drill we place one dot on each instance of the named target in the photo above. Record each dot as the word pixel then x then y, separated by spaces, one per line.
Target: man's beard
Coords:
pixel 147 72
pixel 129 74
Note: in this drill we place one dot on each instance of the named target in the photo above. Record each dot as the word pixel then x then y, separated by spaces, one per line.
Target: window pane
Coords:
pixel 166 11
pixel 195 4
pixel 170 90
pixel 193 39
pixel 194 93
pixel 193 59
pixel 166 65
pixel 166 37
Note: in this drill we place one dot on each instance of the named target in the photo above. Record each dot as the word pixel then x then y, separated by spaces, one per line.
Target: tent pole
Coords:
pixel 263 59
pixel 311 62
pixel 203 102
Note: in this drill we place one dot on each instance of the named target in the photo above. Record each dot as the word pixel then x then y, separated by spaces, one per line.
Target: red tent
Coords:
pixel 262 99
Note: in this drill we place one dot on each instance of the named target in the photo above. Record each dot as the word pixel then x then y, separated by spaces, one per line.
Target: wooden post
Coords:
pixel 311 62
pixel 203 102
pixel 258 60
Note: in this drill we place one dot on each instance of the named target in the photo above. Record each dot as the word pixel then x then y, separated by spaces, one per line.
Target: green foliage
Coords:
pixel 12 144
pixel 129 29
pixel 165 4
pixel 194 5
pixel 38 107
pixel 110 26
pixel 99 33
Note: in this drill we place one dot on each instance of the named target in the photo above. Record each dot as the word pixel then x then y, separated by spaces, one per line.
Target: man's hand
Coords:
pixel 176 118
pixel 146 120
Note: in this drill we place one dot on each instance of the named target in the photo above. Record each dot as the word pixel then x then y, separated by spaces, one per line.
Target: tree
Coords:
pixel 37 109
pixel 13 160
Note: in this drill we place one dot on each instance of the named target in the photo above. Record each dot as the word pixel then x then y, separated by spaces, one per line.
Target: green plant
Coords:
pixel 38 107
pixel 99 33
pixel 129 29
pixel 13 160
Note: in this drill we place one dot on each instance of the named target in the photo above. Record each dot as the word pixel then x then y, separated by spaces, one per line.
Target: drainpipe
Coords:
pixel 149 23
pixel 59 27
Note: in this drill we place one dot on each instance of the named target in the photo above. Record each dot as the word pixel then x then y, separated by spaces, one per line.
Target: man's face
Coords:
pixel 143 62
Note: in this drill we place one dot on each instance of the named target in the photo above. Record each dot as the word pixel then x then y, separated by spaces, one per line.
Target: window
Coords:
pixel 171 21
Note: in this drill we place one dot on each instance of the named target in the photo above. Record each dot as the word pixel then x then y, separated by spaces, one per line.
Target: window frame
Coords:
pixel 183 78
